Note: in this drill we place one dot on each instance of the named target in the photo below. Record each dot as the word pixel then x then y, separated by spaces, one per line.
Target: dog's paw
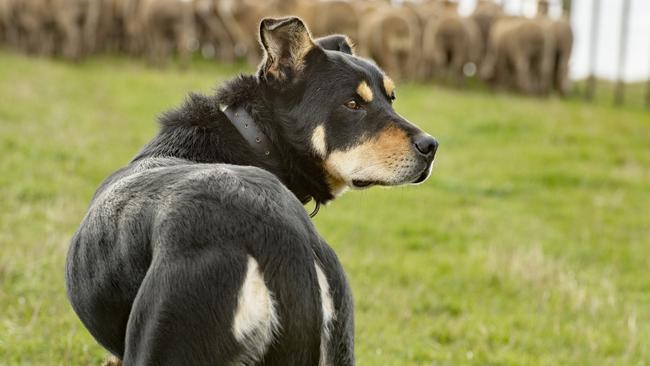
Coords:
pixel 112 361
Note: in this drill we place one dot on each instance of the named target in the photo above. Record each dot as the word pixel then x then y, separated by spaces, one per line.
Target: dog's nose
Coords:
pixel 425 144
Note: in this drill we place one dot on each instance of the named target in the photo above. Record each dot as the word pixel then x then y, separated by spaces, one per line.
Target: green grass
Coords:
pixel 635 94
pixel 529 245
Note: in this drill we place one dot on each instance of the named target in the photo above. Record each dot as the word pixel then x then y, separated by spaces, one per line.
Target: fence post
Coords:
pixel 619 93
pixel 647 92
pixel 593 50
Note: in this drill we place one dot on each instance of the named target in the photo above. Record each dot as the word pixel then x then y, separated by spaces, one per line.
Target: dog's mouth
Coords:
pixel 363 183
pixel 420 172
pixel 423 176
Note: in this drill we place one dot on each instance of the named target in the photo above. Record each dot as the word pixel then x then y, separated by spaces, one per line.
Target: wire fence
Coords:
pixel 612 37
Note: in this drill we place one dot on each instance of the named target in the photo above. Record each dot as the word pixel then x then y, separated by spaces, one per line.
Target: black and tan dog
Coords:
pixel 199 252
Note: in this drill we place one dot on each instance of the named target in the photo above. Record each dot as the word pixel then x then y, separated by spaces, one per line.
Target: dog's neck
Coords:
pixel 199 131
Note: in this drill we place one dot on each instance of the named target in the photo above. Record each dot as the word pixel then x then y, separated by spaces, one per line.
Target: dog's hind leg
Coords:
pixel 224 305
pixel 337 339
pixel 184 311
pixel 233 278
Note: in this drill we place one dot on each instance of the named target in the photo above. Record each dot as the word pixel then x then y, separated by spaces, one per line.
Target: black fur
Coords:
pixel 156 266
pixel 336 42
pixel 199 131
pixel 154 270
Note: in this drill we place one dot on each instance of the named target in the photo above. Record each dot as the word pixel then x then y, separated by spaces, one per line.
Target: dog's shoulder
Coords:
pixel 129 179
pixel 223 199
pixel 167 185
pixel 243 192
pixel 171 198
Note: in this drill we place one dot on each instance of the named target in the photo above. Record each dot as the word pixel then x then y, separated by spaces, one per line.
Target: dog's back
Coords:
pixel 217 260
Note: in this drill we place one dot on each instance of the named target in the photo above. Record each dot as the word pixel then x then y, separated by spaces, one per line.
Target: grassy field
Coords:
pixel 529 245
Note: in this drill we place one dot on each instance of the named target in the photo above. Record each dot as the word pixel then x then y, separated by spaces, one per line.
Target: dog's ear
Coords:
pixel 286 43
pixel 337 42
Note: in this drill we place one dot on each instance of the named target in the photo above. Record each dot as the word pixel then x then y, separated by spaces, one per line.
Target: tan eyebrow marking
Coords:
pixel 364 91
pixel 389 85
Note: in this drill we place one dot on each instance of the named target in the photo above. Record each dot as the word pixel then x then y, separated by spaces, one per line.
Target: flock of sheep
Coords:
pixel 416 40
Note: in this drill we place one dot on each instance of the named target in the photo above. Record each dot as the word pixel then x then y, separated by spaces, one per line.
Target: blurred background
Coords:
pixel 538 45
pixel 529 245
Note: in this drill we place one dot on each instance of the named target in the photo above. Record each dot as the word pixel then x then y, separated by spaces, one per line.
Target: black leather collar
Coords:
pixel 251 132
pixel 256 138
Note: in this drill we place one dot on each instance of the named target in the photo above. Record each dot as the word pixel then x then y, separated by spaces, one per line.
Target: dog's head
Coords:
pixel 343 107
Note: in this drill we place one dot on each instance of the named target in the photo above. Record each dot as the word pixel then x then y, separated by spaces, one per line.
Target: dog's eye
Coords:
pixel 392 97
pixel 352 104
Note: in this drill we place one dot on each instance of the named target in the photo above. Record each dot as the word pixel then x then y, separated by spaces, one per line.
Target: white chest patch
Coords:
pixel 328 313
pixel 256 321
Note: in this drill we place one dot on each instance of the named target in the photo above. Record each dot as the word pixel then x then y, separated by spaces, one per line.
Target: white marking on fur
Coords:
pixel 337 186
pixel 318 141
pixel 356 163
pixel 256 319
pixel 384 159
pixel 328 313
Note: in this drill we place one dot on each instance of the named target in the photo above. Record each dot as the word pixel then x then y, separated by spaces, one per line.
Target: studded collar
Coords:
pixel 256 138
pixel 251 132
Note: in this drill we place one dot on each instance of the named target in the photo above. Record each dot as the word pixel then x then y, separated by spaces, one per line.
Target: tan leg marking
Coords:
pixel 112 361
